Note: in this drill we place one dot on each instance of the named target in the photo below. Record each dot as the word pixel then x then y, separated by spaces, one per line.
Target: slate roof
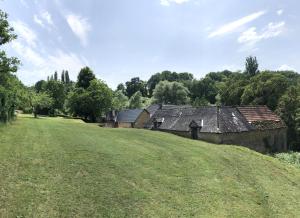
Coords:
pixel 215 119
pixel 154 107
pixel 129 116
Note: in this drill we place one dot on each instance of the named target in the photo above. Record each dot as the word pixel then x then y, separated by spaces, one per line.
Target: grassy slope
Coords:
pixel 55 167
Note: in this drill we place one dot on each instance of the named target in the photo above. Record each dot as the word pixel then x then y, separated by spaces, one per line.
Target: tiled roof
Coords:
pixel 258 113
pixel 129 116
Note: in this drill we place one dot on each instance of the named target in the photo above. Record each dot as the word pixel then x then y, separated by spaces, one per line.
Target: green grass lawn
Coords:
pixel 55 167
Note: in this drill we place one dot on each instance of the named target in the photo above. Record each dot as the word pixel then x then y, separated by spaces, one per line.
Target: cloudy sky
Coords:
pixel 120 39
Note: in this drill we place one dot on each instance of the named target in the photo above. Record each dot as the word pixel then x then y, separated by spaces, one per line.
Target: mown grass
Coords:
pixel 55 167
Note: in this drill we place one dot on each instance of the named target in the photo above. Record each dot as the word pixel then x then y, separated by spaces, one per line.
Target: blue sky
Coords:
pixel 120 39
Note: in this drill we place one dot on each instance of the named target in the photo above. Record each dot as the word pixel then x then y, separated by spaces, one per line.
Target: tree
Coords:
pixel 204 89
pixel 251 66
pixel 67 78
pixel 92 102
pixel 84 78
pixel 121 88
pixel 288 109
pixel 119 101
pixel 8 66
pixel 55 89
pixel 63 76
pixel 134 85
pixel 40 86
pixel 136 100
pixel 233 88
pixel 169 76
pixel 40 101
pixel 55 76
pixel 265 88
pixel 171 93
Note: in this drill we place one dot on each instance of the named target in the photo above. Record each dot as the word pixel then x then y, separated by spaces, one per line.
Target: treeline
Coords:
pixel 91 98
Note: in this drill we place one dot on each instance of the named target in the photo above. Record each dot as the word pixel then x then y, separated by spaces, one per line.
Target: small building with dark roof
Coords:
pixel 131 118
pixel 255 127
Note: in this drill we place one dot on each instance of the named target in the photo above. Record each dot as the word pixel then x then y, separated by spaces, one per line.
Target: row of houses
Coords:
pixel 255 127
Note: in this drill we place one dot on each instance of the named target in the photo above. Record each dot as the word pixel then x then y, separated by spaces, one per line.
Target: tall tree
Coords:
pixel 67 78
pixel 55 76
pixel 135 85
pixel 251 66
pixel 63 76
pixel 84 78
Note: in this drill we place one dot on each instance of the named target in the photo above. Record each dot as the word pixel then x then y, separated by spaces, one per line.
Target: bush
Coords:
pixel 291 158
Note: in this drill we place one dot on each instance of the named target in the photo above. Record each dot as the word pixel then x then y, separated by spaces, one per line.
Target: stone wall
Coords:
pixel 142 120
pixel 265 141
pixel 124 125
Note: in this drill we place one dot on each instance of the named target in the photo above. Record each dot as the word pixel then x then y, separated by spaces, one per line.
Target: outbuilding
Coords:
pixel 256 127
pixel 131 118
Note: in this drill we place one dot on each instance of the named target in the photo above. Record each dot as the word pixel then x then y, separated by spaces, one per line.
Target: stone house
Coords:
pixel 131 118
pixel 255 127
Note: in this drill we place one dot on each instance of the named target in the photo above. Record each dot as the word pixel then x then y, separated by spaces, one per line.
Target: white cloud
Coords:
pixel 24 32
pixel 43 18
pixel 250 37
pixel 280 12
pixel 232 26
pixel 28 53
pixel 80 27
pixel 47 17
pixel 42 65
pixel 38 20
pixel 286 67
pixel 168 2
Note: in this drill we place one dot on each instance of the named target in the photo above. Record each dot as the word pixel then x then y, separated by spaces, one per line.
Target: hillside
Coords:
pixel 54 167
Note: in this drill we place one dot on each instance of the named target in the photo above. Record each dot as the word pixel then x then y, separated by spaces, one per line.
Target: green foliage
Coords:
pixel 55 89
pixel 265 89
pixel 233 88
pixel 135 85
pixel 6 31
pixel 119 101
pixel 200 102
pixel 55 76
pixel 121 88
pixel 91 103
pixel 9 84
pixel 40 101
pixel 168 76
pixel 63 76
pixel 171 93
pixel 291 158
pixel 40 86
pixel 67 78
pixel 251 66
pixel 136 100
pixel 84 78
pixel 288 109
